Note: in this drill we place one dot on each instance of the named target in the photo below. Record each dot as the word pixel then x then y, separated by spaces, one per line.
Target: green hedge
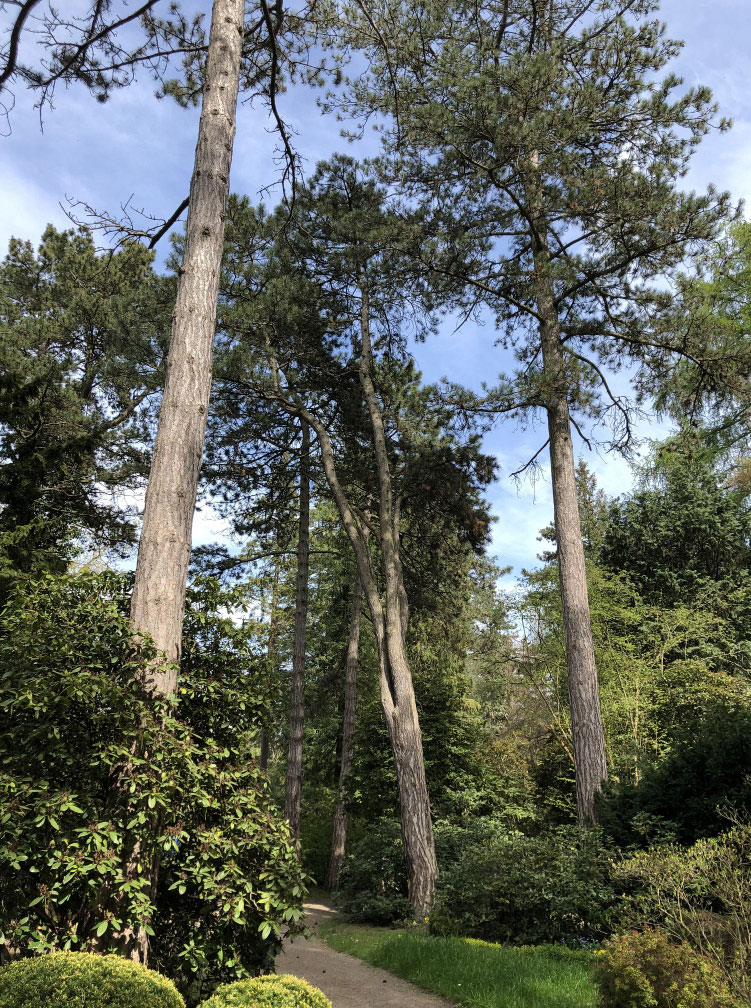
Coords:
pixel 268 992
pixel 83 980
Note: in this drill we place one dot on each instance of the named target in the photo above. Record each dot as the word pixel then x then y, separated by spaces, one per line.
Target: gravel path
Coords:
pixel 348 982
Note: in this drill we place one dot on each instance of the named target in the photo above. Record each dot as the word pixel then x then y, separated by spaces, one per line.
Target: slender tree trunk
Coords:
pixel 263 758
pixel 397 700
pixel 587 733
pixel 297 691
pixel 401 713
pixel 389 628
pixel 339 834
pixel 158 601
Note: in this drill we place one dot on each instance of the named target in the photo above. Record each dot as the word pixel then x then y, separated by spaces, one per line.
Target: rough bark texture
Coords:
pixel 397 700
pixel 297 687
pixel 339 833
pixel 265 753
pixel 158 601
pixel 397 691
pixel 587 733
pixel 389 615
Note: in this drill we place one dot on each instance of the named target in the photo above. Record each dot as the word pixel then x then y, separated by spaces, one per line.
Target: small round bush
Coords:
pixel 268 992
pixel 84 980
pixel 650 970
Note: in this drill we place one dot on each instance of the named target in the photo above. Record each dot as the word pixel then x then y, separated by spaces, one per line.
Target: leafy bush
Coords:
pixel 380 909
pixel 650 970
pixel 373 879
pixel 82 980
pixel 508 887
pixel 684 794
pixel 91 766
pixel 493 883
pixel 268 992
pixel 700 895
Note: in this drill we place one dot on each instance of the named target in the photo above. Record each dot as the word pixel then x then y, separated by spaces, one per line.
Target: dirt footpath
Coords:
pixel 346 981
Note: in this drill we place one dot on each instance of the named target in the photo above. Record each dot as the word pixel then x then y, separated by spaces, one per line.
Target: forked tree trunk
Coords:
pixel 293 789
pixel 588 737
pixel 341 817
pixel 158 601
pixel 389 616
pixel 401 707
pixel 397 698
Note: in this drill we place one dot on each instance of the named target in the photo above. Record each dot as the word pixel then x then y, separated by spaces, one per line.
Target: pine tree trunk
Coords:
pixel 584 699
pixel 414 802
pixel 265 753
pixel 339 833
pixel 158 601
pixel 389 628
pixel 400 707
pixel 587 733
pixel 297 691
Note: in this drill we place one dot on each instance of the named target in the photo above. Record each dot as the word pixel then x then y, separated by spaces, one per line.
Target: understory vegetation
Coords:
pixel 470 972
pixel 524 788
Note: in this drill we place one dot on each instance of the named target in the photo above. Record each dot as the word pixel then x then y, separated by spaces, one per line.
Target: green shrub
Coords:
pixel 381 909
pixel 650 970
pixel 83 980
pixel 268 992
pixel 373 879
pixel 76 715
pixel 685 793
pixel 700 895
pixel 508 887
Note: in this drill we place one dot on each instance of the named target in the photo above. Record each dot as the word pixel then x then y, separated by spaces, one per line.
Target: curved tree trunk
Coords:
pixel 588 737
pixel 158 601
pixel 397 699
pixel 297 692
pixel 339 833
pixel 389 616
pixel 400 707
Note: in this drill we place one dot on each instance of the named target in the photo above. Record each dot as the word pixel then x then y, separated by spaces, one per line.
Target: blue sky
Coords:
pixel 137 146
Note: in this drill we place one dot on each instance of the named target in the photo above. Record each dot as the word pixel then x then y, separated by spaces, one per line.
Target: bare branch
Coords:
pixel 124 228
pixel 530 462
pixel 15 37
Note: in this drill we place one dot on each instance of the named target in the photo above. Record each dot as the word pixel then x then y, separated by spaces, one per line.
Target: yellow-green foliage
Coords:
pixel 83 980
pixel 650 970
pixel 268 992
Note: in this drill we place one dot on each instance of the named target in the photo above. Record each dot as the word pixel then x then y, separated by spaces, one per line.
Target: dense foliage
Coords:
pixel 83 980
pixel 691 792
pixel 507 887
pixel 531 177
pixel 92 767
pixel 700 895
pixel 82 336
pixel 496 883
pixel 268 992
pixel 649 970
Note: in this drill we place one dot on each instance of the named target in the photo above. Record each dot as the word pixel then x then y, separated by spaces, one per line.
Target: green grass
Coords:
pixel 472 973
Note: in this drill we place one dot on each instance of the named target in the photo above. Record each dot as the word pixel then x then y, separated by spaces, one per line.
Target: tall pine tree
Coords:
pixel 550 154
